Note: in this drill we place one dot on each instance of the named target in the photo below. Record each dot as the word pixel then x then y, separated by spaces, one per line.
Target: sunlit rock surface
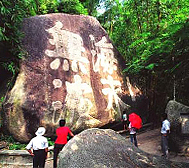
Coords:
pixel 71 70
pixel 104 148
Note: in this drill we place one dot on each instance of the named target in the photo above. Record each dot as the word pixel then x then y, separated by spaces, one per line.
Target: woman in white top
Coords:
pixel 39 144
pixel 132 131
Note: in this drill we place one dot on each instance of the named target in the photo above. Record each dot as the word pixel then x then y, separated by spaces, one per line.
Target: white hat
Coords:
pixel 40 131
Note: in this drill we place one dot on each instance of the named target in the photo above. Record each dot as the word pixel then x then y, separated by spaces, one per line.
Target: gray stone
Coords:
pixel 104 148
pixel 20 158
pixel 185 123
pixel 178 115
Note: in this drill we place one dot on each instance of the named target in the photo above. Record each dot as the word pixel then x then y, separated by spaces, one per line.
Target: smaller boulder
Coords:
pixel 104 148
pixel 178 115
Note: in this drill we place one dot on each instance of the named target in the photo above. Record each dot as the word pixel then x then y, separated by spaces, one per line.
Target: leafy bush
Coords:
pixel 71 7
pixel 50 142
pixel 12 144
pixel 16 146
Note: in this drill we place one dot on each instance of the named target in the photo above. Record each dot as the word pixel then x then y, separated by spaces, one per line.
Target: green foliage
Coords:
pixel 10 67
pixel 150 66
pixel 71 7
pixel 153 37
pixel 12 14
pixel 17 146
pixel 143 31
pixel 1 100
pixel 50 142
pixel 91 6
pixel 12 144
pixel 38 7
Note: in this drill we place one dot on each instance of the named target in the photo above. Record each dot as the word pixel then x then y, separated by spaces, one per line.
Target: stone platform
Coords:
pixel 19 158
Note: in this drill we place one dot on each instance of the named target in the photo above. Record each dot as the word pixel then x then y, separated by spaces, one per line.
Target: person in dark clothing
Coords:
pixel 62 133
pixel 124 120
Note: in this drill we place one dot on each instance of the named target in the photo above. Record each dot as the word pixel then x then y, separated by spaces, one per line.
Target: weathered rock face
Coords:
pixel 71 71
pixel 97 148
pixel 178 115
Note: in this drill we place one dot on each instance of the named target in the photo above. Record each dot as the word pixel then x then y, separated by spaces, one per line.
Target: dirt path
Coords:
pixel 150 142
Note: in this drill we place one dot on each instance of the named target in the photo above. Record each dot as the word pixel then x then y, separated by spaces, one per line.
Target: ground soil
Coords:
pixel 150 142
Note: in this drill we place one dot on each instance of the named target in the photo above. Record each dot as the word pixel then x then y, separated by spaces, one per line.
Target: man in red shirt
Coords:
pixel 62 133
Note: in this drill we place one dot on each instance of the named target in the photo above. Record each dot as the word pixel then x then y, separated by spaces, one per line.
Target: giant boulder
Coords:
pixel 70 70
pixel 104 148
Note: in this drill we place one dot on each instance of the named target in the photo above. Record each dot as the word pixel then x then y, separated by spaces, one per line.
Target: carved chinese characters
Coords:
pixel 71 72
pixel 69 48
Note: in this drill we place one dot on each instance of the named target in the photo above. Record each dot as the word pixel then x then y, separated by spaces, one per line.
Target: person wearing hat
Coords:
pixel 39 144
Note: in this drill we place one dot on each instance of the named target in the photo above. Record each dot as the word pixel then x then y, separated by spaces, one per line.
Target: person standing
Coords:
pixel 165 130
pixel 132 131
pixel 124 120
pixel 62 133
pixel 39 145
